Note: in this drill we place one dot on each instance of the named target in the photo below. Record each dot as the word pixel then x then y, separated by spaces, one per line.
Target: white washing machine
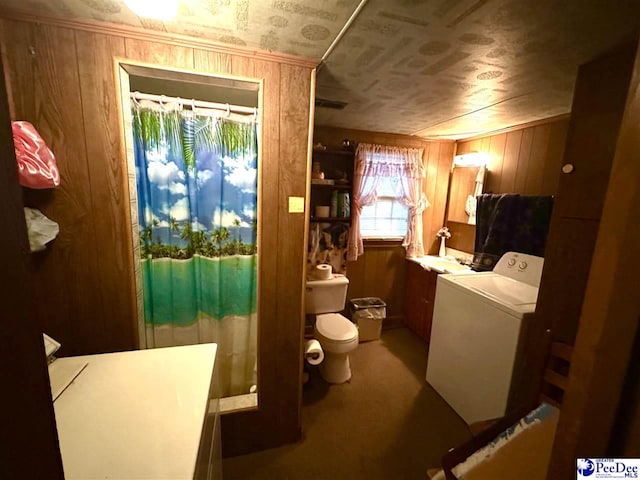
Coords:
pixel 479 322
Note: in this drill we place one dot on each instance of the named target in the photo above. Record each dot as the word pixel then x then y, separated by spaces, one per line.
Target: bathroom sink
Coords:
pixel 440 264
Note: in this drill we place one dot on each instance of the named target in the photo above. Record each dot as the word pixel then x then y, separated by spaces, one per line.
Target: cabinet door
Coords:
pixel 414 304
pixel 421 291
pixel 598 105
pixel 431 279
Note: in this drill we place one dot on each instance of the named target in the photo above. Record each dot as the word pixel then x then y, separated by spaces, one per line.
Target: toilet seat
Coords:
pixel 335 328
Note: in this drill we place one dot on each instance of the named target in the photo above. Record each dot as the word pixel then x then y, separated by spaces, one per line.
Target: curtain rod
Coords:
pixel 225 107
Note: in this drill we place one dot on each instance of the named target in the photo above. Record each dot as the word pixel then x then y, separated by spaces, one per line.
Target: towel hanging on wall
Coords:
pixel 510 222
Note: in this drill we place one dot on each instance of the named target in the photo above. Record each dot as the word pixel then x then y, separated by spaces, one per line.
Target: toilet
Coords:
pixel 336 334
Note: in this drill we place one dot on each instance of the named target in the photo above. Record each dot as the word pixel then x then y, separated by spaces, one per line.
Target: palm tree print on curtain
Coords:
pixel 197 197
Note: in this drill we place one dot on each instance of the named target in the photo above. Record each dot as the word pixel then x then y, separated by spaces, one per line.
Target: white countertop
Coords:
pixel 135 415
pixel 441 264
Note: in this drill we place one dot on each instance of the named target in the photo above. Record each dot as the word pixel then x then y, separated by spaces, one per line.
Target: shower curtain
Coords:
pixel 197 199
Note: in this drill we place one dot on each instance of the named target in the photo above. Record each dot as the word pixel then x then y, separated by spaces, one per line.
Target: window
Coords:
pixel 387 218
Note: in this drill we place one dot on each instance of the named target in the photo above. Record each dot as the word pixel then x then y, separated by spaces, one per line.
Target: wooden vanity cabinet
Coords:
pixel 420 298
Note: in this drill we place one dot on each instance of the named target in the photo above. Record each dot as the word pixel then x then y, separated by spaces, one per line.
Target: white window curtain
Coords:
pixel 374 162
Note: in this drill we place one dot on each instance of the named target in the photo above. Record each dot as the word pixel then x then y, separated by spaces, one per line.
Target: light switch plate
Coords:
pixel 296 204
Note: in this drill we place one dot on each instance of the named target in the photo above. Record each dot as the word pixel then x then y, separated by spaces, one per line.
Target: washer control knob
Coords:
pixel 511 262
pixel 522 265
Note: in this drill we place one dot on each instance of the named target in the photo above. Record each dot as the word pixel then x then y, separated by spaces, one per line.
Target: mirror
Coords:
pixel 466 183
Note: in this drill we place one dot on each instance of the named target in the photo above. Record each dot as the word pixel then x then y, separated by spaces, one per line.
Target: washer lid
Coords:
pixel 504 289
pixel 334 326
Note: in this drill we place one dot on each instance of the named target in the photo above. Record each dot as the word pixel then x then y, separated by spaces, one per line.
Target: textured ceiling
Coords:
pixel 449 68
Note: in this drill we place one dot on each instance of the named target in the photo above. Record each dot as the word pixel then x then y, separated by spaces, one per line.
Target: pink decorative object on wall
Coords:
pixel 36 163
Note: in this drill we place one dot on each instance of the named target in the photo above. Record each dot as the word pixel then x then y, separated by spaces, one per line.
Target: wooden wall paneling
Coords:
pixel 109 191
pixel 65 277
pixel 510 162
pixel 439 202
pixel 539 146
pixel 29 437
pixel 496 150
pixel 611 309
pixel 166 55
pixel 523 161
pixel 293 168
pixel 429 218
pixel 242 66
pixel 380 272
pixel 212 62
pixel 555 154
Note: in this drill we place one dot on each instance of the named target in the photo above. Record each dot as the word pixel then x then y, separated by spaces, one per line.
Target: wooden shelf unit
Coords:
pixel 332 163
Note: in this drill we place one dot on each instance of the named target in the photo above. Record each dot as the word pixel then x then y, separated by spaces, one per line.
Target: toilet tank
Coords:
pixel 326 296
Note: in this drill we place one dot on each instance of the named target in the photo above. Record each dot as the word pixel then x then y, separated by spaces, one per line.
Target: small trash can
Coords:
pixel 368 313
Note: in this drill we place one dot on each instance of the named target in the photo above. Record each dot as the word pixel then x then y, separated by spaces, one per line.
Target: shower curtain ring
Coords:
pixel 255 114
pixel 162 105
pixel 193 104
pixel 135 99
pixel 228 110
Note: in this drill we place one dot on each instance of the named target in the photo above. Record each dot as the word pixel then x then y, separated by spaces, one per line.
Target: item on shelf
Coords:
pixel 346 144
pixel 334 203
pixel 342 180
pixel 319 146
pixel 316 173
pixel 322 181
pixel 322 211
pixel 344 205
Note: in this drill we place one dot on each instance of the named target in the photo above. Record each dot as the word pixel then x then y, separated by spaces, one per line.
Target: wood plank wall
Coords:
pixel 61 79
pixel 381 271
pixel 525 160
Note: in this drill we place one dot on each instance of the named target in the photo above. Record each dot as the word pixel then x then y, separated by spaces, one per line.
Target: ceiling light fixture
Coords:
pixel 156 9
pixel 471 159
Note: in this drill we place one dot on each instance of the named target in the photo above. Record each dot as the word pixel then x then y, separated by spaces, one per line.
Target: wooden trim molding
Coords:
pixel 535 123
pixel 175 39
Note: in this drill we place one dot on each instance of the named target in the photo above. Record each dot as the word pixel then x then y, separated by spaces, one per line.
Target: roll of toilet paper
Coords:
pixel 313 352
pixel 323 271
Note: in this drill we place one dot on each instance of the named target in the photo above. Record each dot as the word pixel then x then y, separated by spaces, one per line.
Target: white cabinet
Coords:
pixel 140 414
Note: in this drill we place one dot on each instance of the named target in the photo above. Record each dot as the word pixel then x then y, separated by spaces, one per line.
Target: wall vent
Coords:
pixel 334 104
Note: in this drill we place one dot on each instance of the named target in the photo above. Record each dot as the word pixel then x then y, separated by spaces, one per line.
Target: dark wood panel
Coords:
pixel 598 105
pixel 109 189
pixel 30 441
pixel 567 261
pixel 66 278
pixel 611 309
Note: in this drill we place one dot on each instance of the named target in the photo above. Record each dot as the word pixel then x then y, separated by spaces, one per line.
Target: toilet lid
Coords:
pixel 334 326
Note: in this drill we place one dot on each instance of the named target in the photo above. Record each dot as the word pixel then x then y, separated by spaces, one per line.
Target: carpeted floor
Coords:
pixel 386 423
